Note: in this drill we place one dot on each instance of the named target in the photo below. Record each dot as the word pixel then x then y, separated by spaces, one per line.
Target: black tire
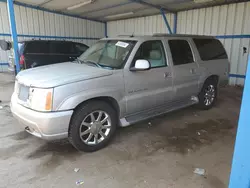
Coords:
pixel 202 104
pixel 80 114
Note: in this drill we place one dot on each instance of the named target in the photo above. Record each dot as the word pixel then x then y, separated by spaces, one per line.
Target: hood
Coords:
pixel 60 74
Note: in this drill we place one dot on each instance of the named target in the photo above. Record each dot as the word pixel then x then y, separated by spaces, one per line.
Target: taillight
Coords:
pixel 21 61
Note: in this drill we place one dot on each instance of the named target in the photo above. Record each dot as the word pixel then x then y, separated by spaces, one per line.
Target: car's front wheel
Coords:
pixel 92 126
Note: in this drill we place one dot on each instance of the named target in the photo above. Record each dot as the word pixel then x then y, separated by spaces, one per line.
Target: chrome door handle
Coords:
pixel 192 71
pixel 167 75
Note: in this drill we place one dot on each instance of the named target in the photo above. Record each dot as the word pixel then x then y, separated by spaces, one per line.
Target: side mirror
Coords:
pixel 141 65
pixel 5 45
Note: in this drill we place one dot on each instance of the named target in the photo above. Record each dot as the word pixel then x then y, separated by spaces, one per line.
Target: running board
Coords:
pixel 124 122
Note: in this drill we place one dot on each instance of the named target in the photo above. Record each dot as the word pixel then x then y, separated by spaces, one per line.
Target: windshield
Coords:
pixel 108 53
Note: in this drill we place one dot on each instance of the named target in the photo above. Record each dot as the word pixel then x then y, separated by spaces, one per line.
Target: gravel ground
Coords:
pixel 161 152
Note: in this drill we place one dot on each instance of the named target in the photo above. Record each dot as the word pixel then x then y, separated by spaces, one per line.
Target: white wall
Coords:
pixel 41 23
pixel 140 26
pixel 233 19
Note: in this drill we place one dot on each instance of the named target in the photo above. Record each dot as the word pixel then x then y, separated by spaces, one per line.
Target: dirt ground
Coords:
pixel 159 153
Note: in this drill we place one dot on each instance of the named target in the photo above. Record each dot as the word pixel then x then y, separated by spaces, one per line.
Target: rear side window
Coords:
pixel 181 52
pixel 37 47
pixel 210 49
pixel 61 47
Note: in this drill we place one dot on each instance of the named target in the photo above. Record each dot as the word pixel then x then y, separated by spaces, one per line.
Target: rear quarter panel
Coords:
pixel 219 67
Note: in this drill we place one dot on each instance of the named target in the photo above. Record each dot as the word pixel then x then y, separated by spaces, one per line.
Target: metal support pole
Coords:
pixel 166 21
pixel 175 23
pixel 240 173
pixel 13 33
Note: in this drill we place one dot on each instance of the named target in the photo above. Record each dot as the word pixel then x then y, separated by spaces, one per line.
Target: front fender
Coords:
pixel 72 101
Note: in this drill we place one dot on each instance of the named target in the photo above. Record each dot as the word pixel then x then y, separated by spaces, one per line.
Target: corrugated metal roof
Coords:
pixel 100 9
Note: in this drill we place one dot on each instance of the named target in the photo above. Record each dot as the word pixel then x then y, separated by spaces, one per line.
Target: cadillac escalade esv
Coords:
pixel 118 82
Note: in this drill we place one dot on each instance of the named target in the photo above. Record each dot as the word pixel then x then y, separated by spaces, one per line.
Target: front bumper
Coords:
pixel 48 125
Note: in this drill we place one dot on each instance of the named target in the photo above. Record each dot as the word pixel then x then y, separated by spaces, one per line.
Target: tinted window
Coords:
pixel 41 47
pixel 210 49
pixel 181 52
pixel 62 48
pixel 152 51
pixel 80 48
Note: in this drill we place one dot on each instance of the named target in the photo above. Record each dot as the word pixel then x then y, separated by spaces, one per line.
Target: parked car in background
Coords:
pixel 118 82
pixel 34 53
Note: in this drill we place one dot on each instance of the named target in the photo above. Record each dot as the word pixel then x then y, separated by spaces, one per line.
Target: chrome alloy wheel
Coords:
pixel 209 95
pixel 95 127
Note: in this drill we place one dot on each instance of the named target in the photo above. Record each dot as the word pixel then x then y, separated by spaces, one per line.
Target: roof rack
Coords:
pixel 180 35
pixel 160 35
pixel 126 35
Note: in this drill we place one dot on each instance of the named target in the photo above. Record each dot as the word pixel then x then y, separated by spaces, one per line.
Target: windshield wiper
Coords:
pixel 106 67
pixel 87 62
pixel 101 65
pixel 79 61
pixel 94 63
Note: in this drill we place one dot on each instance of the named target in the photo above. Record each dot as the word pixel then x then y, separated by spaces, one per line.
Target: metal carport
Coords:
pixel 174 18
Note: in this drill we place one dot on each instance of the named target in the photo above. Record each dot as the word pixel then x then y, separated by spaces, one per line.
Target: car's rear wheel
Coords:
pixel 208 95
pixel 92 126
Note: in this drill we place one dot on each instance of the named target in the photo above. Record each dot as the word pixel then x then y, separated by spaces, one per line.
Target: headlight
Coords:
pixel 40 99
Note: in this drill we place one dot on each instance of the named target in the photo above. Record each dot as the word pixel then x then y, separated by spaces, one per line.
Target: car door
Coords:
pixel 150 88
pixel 185 69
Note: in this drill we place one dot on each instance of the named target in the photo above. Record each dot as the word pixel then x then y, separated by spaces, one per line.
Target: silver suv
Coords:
pixel 118 82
